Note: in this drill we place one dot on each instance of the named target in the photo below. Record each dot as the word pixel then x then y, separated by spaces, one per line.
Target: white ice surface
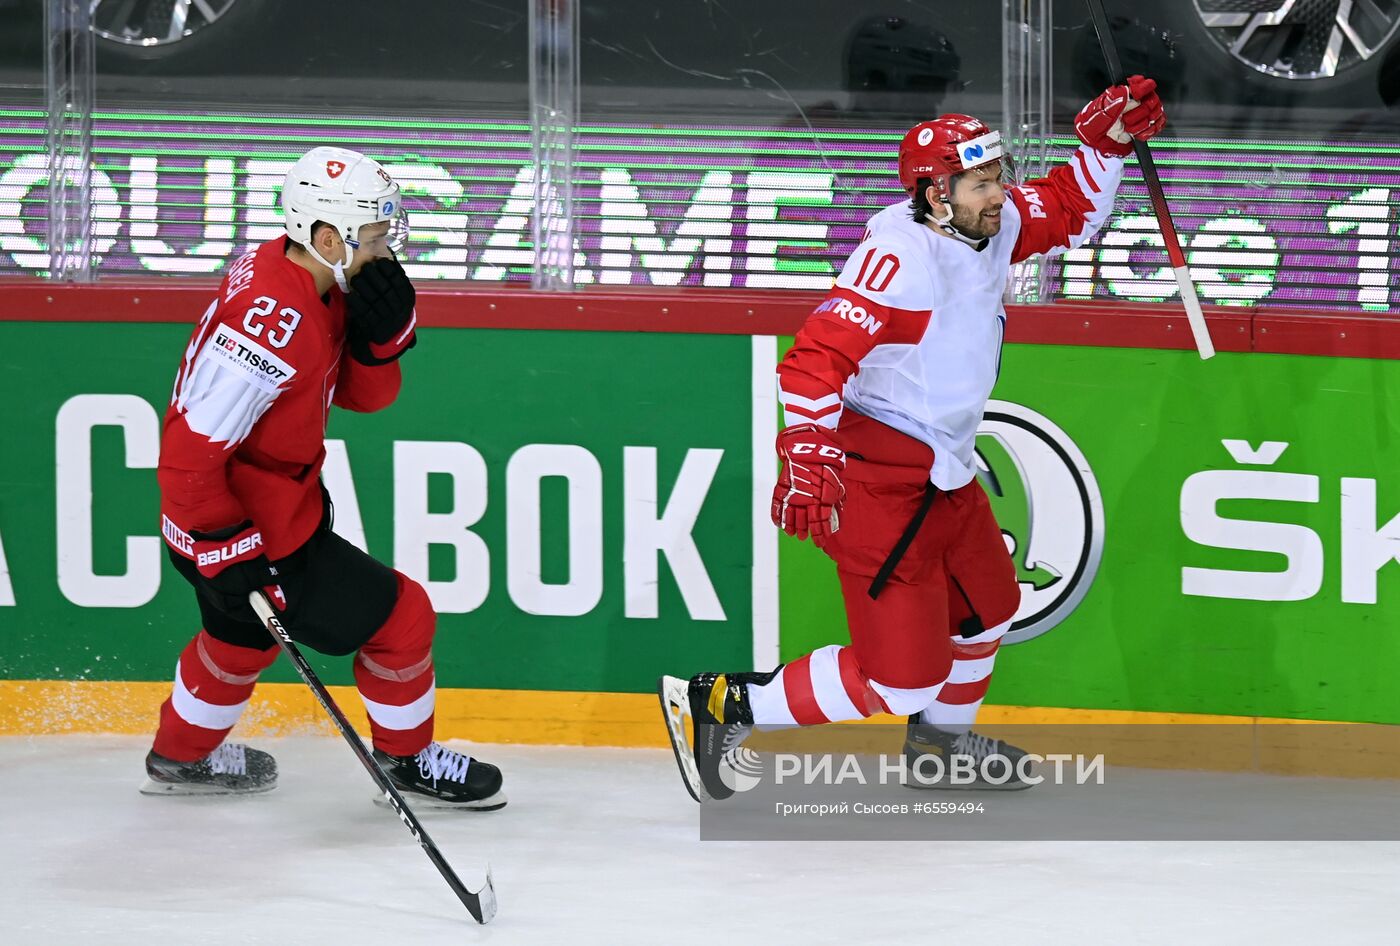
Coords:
pixel 600 846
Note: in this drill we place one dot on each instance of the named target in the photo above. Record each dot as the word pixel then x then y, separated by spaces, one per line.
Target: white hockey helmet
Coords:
pixel 345 190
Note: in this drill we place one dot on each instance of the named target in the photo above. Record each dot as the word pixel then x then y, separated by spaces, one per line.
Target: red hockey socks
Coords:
pixel 827 686
pixel 394 674
pixel 956 708
pixel 213 682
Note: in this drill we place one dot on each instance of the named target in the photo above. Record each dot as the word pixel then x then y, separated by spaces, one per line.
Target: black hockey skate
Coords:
pixel 438 777
pixel 231 769
pixel 929 756
pixel 720 717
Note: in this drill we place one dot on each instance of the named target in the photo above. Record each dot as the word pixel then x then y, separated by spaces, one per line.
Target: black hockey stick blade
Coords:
pixel 481 904
pixel 1189 299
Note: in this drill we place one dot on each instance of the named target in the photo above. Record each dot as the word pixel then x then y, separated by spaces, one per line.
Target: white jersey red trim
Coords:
pixel 911 334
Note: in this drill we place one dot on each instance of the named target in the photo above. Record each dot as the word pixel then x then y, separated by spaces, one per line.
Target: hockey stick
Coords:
pixel 482 904
pixel 1189 299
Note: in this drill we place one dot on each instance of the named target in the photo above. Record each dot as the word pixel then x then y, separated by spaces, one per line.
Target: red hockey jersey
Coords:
pixel 244 436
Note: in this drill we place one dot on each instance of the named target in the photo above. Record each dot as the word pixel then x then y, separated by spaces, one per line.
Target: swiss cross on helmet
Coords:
pixel 944 147
pixel 346 190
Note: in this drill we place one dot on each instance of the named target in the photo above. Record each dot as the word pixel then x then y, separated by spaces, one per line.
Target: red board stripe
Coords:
pixel 739 312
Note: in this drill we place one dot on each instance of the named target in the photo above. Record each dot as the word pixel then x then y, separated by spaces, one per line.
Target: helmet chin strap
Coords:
pixel 338 268
pixel 945 223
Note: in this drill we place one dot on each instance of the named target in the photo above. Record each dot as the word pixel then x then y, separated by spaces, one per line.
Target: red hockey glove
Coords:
pixel 1110 122
pixel 232 563
pixel 807 500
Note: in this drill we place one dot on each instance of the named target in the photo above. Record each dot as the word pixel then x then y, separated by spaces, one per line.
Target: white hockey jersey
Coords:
pixel 911 334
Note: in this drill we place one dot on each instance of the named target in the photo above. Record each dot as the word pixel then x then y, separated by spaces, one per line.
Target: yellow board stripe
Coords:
pixel 1232 744
pixel 45 707
pixel 536 717
pixel 1181 741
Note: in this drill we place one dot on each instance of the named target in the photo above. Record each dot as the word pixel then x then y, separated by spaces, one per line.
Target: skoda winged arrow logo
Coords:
pixel 1051 513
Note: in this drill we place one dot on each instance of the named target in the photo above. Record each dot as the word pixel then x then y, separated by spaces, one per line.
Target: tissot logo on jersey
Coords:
pixel 232 348
pixel 851 312
pixel 266 364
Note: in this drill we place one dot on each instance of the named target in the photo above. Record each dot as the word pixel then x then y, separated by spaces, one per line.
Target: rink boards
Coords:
pixel 589 509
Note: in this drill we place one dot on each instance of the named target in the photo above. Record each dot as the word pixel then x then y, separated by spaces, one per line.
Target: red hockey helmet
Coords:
pixel 943 147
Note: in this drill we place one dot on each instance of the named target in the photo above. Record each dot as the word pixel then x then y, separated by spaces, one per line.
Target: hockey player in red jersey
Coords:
pixel 317 317
pixel 883 391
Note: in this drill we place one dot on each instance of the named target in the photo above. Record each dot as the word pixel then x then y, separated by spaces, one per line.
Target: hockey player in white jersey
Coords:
pixel 882 392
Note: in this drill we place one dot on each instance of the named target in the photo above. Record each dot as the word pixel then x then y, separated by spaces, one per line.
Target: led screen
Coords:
pixel 1277 223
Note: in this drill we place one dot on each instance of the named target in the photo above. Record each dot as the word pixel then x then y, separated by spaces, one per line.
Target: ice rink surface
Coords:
pixel 600 846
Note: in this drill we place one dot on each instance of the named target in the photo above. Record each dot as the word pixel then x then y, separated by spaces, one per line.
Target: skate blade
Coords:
pixel 419 802
pixel 152 787
pixel 675 707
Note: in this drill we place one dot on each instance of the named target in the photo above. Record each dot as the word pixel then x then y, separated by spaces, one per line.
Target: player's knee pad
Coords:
pixel 903 701
pixel 981 645
pixel 405 643
pixel 231 663
pixel 868 696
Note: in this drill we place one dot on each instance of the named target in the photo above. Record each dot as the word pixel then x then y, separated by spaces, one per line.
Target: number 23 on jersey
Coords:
pixel 260 315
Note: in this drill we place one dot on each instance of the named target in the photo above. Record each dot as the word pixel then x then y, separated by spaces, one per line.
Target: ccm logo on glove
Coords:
pixel 820 449
pixel 808 496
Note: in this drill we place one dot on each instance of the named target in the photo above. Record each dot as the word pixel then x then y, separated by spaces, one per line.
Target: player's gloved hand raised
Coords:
pixel 808 497
pixel 379 312
pixel 233 563
pixel 1110 122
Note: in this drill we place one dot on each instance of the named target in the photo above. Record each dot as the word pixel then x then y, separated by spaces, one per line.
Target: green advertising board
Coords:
pixel 1228 530
pixel 589 510
pixel 579 506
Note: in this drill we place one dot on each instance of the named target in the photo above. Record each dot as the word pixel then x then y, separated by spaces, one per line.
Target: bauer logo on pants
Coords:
pixel 1048 505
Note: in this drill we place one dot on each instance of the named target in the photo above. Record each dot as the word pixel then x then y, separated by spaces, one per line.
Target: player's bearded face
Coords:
pixel 977 201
